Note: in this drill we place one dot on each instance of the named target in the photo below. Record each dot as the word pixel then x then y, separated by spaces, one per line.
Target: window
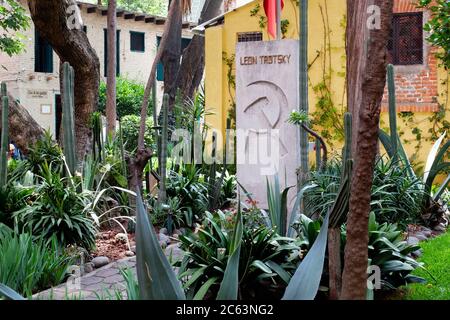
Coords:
pixel 43 55
pixel 160 67
pixel 249 36
pixel 405 46
pixel 117 51
pixel 85 29
pixel 137 41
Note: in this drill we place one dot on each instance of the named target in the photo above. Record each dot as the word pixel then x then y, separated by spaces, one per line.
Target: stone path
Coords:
pixel 103 283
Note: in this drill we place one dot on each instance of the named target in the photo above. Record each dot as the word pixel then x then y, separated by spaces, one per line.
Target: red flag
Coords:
pixel 270 7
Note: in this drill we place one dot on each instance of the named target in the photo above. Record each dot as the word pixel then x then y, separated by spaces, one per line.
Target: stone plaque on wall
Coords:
pixel 266 93
pixel 37 94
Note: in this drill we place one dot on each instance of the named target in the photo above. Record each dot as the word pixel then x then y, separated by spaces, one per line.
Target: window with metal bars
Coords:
pixel 137 41
pixel 405 45
pixel 249 36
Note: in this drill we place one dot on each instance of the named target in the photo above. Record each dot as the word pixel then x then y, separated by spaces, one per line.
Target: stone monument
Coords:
pixel 266 93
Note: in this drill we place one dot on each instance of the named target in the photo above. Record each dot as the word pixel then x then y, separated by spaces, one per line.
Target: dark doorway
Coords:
pixel 58 116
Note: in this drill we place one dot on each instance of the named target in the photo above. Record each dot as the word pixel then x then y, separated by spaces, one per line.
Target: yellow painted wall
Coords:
pixel 223 38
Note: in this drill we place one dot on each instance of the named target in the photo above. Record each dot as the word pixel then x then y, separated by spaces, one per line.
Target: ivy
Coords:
pixel 262 20
pixel 439 27
pixel 231 82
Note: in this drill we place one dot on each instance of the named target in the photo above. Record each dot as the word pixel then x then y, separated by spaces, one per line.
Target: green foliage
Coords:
pixel 13 20
pixel 157 280
pixel 27 266
pixel 57 209
pixel 298 117
pixel 45 150
pixel 13 198
pixel 305 282
pixel 396 196
pixel 266 260
pixel 130 128
pixel 130 94
pixel 389 251
pixel 439 27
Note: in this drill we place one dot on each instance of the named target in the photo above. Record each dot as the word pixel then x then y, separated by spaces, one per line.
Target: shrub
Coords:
pixel 57 209
pixel 27 266
pixel 130 129
pixel 387 249
pixel 130 94
pixel 396 196
pixel 267 261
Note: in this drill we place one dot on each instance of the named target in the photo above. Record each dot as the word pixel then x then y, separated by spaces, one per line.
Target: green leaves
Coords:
pixel 277 201
pixel 28 266
pixel 438 28
pixel 157 280
pixel 306 280
pixel 230 284
pixel 9 293
pixel 13 19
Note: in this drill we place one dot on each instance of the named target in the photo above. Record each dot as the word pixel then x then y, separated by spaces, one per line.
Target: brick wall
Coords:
pixel 416 85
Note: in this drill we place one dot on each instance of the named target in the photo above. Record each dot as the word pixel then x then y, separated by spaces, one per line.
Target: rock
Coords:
pixel 175 252
pixel 129 253
pixel 103 236
pixel 412 241
pixel 164 231
pixel 133 248
pixel 121 237
pixel 416 254
pixel 164 238
pixel 88 267
pixel 176 236
pixel 427 232
pixel 99 262
pixel 440 228
pixel 421 236
pixel 163 244
pixel 177 232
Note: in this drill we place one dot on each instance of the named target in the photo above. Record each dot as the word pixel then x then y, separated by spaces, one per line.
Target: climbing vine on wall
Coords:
pixel 328 115
pixel 231 83
pixel 262 20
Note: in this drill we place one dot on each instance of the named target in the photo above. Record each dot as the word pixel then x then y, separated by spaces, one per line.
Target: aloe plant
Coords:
pixel 157 280
pixel 9 293
pixel 306 280
pixel 68 116
pixel 5 138
pixel 230 283
pixel 215 184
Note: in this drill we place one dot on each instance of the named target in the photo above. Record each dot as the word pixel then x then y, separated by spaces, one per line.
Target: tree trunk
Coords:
pixel 366 81
pixel 59 23
pixel 192 66
pixel 334 262
pixel 111 114
pixel 143 154
pixel 23 129
pixel 171 54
